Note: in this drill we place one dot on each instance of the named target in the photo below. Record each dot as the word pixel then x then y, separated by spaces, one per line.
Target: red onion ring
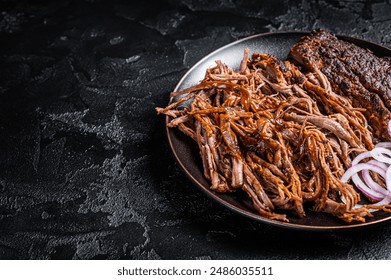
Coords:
pixel 358 167
pixel 378 154
pixel 388 179
pixel 364 188
pixel 380 164
pixel 371 183
pixel 383 145
pixel 360 157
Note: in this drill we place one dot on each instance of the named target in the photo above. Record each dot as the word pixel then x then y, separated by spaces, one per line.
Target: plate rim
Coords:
pixel 212 195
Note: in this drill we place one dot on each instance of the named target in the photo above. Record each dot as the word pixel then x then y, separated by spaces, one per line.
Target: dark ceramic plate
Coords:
pixel 187 154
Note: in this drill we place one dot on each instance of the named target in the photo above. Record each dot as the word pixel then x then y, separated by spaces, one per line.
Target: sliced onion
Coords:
pixel 366 189
pixel 358 167
pixel 379 155
pixel 372 184
pixel 382 165
pixel 383 145
pixel 360 157
pixel 388 179
pixel 386 200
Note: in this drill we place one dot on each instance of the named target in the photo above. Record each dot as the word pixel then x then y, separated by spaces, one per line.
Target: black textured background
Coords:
pixel 85 170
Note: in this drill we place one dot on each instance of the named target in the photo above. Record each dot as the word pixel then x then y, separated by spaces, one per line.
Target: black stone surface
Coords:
pixel 85 170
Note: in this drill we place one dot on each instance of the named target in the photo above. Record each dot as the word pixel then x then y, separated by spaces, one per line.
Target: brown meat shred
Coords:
pixel 283 135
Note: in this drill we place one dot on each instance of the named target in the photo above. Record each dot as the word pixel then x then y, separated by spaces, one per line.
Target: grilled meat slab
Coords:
pixel 353 72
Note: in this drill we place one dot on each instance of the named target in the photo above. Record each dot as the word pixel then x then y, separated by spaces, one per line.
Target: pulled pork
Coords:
pixel 277 132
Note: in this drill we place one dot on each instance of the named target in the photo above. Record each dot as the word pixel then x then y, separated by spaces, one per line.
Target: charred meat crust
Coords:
pixel 353 72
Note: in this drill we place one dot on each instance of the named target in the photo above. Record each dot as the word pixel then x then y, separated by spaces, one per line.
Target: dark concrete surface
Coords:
pixel 85 169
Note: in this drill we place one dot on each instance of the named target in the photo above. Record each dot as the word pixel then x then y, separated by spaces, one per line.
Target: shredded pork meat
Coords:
pixel 277 132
